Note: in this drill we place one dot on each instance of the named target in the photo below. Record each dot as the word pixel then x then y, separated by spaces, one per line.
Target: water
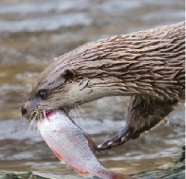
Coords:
pixel 34 32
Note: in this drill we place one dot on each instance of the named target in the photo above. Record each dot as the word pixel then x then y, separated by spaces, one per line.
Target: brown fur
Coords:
pixel 147 65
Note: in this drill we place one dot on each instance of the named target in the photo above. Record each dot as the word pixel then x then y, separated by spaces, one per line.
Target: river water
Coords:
pixel 34 32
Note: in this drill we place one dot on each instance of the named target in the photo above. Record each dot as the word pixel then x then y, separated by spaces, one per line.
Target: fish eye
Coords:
pixel 42 94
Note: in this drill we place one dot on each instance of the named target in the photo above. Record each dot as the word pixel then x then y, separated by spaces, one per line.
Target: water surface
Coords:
pixel 34 32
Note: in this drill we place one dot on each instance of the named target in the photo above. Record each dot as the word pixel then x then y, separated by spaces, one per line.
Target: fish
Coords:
pixel 72 145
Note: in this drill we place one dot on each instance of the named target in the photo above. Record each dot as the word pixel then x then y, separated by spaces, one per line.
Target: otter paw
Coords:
pixel 119 139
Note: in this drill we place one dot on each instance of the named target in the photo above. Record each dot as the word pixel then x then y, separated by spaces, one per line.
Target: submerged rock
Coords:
pixel 175 172
pixel 37 175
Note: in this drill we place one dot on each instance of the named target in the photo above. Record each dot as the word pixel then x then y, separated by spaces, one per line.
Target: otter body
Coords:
pixel 149 66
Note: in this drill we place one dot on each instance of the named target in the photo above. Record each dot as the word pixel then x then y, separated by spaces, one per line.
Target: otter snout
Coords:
pixel 29 107
pixel 26 109
pixel 23 110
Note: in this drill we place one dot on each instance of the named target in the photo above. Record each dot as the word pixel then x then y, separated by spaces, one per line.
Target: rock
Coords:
pixel 177 171
pixel 38 175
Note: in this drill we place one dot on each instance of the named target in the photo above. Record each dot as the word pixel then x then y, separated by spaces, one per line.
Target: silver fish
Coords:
pixel 73 146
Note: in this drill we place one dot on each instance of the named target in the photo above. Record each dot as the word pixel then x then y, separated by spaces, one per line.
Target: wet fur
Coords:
pixel 149 66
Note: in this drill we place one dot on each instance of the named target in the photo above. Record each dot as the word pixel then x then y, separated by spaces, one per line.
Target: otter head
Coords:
pixel 50 87
pixel 58 87
pixel 52 90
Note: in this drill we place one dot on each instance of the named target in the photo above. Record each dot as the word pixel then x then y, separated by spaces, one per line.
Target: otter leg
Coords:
pixel 143 114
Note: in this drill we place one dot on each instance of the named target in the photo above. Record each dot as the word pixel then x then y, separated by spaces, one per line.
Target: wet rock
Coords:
pixel 37 175
pixel 175 172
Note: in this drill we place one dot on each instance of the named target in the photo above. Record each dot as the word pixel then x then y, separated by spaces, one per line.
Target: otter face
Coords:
pixel 49 92
pixel 60 90
pixel 61 87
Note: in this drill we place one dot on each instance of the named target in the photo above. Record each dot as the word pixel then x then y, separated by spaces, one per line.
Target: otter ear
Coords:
pixel 69 75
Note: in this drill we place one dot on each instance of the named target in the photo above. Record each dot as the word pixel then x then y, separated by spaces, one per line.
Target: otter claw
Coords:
pixel 119 139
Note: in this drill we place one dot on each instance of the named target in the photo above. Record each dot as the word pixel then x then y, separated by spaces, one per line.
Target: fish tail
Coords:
pixel 120 176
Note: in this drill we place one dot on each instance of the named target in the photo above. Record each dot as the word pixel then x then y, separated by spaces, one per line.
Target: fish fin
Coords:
pixel 120 176
pixel 91 143
pixel 82 173
pixel 58 155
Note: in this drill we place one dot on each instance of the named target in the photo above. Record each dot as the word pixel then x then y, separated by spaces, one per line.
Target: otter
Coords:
pixel 148 65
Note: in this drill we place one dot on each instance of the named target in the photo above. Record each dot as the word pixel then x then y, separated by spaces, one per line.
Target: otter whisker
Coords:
pixel 37 113
pixel 79 116
pixel 74 115
pixel 44 113
pixel 31 123
pixel 35 121
pixel 32 115
pixel 40 116
pixel 82 111
pixel 41 112
pixel 34 124
pixel 35 116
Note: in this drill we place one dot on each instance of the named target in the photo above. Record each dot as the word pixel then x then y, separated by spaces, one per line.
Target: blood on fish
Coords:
pixel 58 155
pixel 49 114
pixel 82 173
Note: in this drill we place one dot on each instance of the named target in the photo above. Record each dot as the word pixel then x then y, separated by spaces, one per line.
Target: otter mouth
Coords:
pixel 49 113
pixel 38 114
pixel 52 111
pixel 41 113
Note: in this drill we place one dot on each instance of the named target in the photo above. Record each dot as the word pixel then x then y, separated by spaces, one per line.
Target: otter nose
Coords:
pixel 23 110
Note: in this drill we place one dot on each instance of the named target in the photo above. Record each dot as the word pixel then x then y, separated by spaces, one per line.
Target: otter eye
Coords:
pixel 42 94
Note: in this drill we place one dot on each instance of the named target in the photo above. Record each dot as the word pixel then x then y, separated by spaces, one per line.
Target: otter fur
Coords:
pixel 148 65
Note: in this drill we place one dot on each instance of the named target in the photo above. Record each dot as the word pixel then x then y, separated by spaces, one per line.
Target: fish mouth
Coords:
pixel 41 113
pixel 50 112
pixel 53 111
